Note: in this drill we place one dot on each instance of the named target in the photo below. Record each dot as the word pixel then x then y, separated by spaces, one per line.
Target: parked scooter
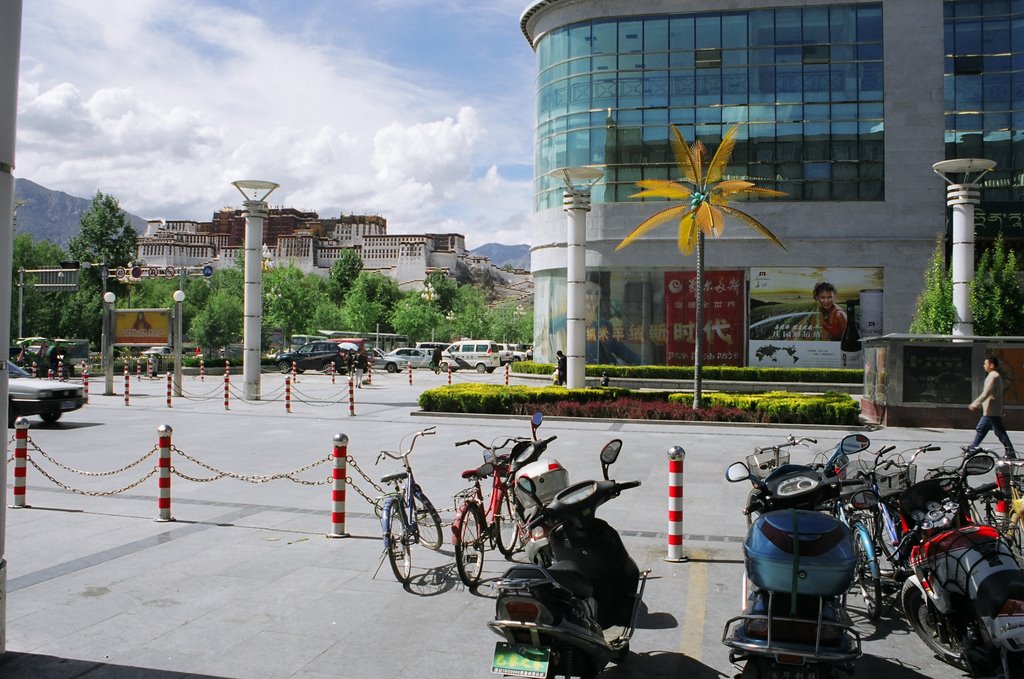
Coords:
pixel 799 565
pixel 965 598
pixel 570 618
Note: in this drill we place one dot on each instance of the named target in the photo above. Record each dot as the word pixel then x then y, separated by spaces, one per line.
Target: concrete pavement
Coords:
pixel 245 584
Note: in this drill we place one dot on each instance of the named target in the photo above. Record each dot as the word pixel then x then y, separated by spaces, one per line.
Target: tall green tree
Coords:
pixel 343 274
pixel 997 302
pixel 289 296
pixel 219 323
pixel 106 237
pixel 370 303
pixel 470 315
pixel 417 318
pixel 935 311
pixel 41 311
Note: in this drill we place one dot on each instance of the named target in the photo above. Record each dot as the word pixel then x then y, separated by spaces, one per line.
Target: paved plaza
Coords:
pixel 244 583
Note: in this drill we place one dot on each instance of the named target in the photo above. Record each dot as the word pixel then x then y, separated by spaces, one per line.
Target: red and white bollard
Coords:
pixel 20 460
pixel 202 370
pixel 85 380
pixel 351 396
pixel 369 374
pixel 49 374
pixel 33 371
pixel 676 456
pixel 168 390
pixel 506 374
pixel 338 481
pixel 227 384
pixel 287 393
pixel 127 381
pixel 151 368
pixel 138 370
pixel 163 502
pixel 334 371
pixel 449 373
pixel 410 374
pixel 295 370
pixel 60 370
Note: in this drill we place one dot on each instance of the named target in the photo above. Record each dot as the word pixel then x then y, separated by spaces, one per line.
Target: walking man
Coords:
pixel 991 403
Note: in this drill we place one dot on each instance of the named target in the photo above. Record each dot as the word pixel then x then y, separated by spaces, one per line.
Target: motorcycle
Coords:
pixel 799 564
pixel 965 597
pixel 575 616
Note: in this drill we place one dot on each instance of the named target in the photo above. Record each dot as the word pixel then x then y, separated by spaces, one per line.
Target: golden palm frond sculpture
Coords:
pixel 703 207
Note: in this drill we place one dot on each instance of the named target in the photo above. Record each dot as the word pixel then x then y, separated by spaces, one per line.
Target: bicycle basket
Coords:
pixel 763 463
pixel 895 480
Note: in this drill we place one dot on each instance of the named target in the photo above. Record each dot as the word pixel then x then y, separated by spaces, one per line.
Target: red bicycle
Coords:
pixel 479 525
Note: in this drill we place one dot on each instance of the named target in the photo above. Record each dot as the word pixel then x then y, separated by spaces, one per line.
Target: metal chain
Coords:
pixel 92 493
pixel 85 473
pixel 320 403
pixel 352 461
pixel 209 396
pixel 256 478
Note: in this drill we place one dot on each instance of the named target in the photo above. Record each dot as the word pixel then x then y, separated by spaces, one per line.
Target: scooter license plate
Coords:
pixel 521 660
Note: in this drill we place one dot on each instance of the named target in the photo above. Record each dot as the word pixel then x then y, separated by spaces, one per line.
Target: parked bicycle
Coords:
pixel 1001 504
pixel 479 524
pixel 407 516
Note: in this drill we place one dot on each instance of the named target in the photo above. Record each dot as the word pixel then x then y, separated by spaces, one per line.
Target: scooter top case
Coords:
pixel 812 550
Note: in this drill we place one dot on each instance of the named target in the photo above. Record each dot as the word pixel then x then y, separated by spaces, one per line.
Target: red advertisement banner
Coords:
pixel 724 316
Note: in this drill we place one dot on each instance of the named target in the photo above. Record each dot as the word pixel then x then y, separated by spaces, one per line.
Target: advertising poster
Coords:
pixel 1011 367
pixel 798 314
pixel 724 310
pixel 142 326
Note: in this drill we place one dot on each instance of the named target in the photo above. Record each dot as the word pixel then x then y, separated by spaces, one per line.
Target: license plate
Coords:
pixel 68 405
pixel 519 660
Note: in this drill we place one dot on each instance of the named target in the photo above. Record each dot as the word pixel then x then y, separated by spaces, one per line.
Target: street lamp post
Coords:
pixel 428 296
pixel 255 213
pixel 107 349
pixel 576 203
pixel 179 297
pixel 962 197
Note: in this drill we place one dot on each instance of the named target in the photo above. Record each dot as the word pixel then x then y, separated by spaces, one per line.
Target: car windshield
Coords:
pixel 16 371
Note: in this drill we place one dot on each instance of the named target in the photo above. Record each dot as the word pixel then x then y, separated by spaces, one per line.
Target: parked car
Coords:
pixel 429 346
pixel 158 351
pixel 480 355
pixel 505 354
pixel 388 362
pixel 419 358
pixel 47 398
pixel 312 356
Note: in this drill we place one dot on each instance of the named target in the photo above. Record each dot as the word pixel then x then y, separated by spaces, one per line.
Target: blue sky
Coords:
pixel 417 110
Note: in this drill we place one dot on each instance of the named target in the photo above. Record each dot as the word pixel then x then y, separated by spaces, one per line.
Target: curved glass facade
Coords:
pixel 984 87
pixel 805 83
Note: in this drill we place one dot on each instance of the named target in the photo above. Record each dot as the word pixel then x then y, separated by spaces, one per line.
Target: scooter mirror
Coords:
pixel 737 471
pixel 854 443
pixel 863 499
pixel 979 464
pixel 537 418
pixel 609 454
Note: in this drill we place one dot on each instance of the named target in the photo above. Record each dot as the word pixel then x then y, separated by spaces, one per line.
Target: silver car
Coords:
pixel 47 398
pixel 419 358
pixel 389 362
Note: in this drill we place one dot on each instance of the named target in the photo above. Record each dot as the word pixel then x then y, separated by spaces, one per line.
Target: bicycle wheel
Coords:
pixel 396 541
pixel 1014 534
pixel 869 580
pixel 428 520
pixel 470 544
pixel 510 538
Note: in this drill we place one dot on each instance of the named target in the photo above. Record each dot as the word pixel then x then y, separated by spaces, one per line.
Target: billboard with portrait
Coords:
pixel 798 314
pixel 724 317
pixel 142 326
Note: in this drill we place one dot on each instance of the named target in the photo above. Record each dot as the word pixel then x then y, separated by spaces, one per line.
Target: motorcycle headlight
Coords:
pixel 796 485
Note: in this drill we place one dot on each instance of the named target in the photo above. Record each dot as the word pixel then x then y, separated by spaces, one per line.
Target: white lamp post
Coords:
pixel 179 297
pixel 255 213
pixel 107 349
pixel 576 203
pixel 962 197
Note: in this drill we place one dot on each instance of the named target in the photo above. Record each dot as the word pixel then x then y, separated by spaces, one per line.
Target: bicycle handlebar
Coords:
pixel 789 442
pixel 403 455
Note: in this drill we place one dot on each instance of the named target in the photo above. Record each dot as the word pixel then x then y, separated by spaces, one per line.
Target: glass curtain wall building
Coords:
pixel 843 105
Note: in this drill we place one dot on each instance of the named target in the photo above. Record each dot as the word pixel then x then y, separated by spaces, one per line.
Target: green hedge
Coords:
pixel 785 407
pixel 715 372
pixel 782 407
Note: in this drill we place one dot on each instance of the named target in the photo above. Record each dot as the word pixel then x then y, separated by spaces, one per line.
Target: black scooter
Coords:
pixel 575 616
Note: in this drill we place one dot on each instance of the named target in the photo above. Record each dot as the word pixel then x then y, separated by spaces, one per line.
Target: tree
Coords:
pixel 343 274
pixel 470 317
pixel 106 236
pixel 370 303
pixel 288 297
pixel 702 210
pixel 41 311
pixel 511 322
pixel 997 303
pixel 416 318
pixel 935 311
pixel 219 323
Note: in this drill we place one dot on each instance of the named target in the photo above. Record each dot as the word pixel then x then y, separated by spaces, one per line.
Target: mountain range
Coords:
pixel 56 216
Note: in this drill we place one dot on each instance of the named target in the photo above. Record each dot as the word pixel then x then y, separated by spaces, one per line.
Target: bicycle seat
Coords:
pixel 399 476
pixel 474 474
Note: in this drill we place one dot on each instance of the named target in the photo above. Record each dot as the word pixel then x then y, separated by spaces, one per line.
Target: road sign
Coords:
pixel 170 272
pixel 136 272
pixel 208 270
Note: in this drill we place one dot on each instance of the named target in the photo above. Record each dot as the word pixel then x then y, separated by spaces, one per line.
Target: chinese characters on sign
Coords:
pixel 724 321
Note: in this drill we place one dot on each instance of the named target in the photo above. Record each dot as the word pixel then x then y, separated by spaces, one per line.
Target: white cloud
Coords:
pixel 164 104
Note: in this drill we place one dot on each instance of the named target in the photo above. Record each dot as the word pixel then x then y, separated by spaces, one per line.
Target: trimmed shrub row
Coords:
pixel 782 407
pixel 716 372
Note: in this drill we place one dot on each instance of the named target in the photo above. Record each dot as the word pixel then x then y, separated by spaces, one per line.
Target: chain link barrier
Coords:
pixel 378 502
pixel 249 478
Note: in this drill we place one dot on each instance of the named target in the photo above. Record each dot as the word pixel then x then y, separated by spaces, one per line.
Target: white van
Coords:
pixel 480 355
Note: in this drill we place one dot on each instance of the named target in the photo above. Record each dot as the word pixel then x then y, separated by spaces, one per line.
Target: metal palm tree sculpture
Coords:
pixel 702 210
